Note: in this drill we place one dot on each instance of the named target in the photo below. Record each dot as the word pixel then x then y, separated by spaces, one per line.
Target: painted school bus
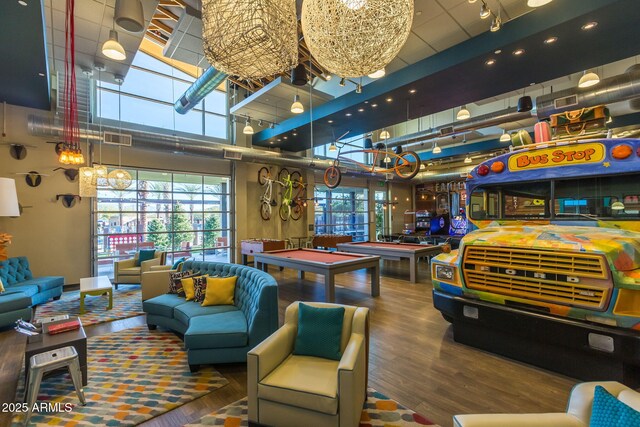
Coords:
pixel 554 250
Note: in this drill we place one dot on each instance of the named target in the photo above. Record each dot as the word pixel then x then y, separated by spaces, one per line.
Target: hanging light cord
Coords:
pixel 71 132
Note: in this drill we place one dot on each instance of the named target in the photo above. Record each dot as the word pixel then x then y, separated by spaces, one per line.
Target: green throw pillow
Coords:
pixel 319 332
pixel 607 411
pixel 145 255
pixel 178 262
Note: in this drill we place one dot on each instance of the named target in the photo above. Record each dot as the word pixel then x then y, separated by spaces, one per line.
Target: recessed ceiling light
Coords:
pixel 498 51
pixel 285 137
pixel 22 2
pixel 412 91
pixel 329 121
pixel 532 84
pixel 366 102
pixel 551 40
pixel 348 114
pixel 518 52
pixel 490 61
pixel 361 109
pixel 418 12
pixel 389 99
pixel 295 133
pixel 271 142
pixel 589 25
pixel 374 105
pixel 41 74
pixel 279 140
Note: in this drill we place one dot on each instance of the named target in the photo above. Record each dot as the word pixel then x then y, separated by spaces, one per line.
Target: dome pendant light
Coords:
pixel 332 147
pixel 385 134
pixel 467 160
pixel 588 79
pixel 129 15
pixel 505 136
pixel 436 149
pixel 248 129
pixel 112 47
pixel 377 74
pixel 463 114
pixel 297 107
pixel 299 75
pixel 525 104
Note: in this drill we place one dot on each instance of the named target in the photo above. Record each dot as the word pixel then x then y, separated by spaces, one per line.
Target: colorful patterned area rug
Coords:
pixel 127 302
pixel 134 375
pixel 380 411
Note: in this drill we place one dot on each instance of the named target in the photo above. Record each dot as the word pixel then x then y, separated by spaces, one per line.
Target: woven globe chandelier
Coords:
pixel 353 38
pixel 251 39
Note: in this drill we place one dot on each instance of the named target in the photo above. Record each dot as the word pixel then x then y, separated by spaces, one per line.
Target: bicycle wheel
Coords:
pixel 407 165
pixel 263 175
pixel 296 179
pixel 284 211
pixel 265 211
pixel 284 173
pixel 332 177
pixel 296 212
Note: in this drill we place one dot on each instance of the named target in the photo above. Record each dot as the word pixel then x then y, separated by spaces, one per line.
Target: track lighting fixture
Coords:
pixel 463 114
pixel 358 88
pixel 342 82
pixel 260 122
pixel 272 126
pixel 485 12
pixel 496 24
pixel 248 129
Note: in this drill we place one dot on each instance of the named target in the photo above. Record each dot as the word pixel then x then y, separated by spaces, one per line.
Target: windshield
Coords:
pixel 610 197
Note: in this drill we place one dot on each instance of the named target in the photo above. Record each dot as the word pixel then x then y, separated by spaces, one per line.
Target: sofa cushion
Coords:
pixel 45 283
pixel 14 270
pixel 607 411
pixel 191 309
pixel 28 290
pixel 132 271
pixel 220 330
pixel 162 305
pixel 12 301
pixel 303 381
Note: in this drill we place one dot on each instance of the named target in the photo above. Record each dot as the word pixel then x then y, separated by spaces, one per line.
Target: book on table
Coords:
pixel 64 326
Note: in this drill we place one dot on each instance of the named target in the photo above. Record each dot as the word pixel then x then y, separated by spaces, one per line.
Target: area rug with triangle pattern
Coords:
pixel 379 411
pixel 127 302
pixel 134 375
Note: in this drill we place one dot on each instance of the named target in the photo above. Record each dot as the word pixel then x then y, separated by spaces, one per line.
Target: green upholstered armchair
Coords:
pixel 125 271
pixel 291 390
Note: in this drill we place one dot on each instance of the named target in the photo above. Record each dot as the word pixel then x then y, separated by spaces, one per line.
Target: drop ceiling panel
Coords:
pixel 468 16
pixel 448 4
pixel 441 33
pixel 425 10
pixel 516 8
pixel 415 49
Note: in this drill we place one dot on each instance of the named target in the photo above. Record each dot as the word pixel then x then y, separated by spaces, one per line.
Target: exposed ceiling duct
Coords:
pixel 47 128
pixel 623 87
pixel 203 86
pixel 496 118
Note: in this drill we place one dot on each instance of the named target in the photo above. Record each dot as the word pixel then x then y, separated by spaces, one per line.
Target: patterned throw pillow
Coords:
pixel 175 282
pixel 200 288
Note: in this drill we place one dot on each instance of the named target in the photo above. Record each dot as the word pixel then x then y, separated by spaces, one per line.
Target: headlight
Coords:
pixel 445 272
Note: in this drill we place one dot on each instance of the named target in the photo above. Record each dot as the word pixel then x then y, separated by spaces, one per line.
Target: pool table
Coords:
pixel 322 262
pixel 394 251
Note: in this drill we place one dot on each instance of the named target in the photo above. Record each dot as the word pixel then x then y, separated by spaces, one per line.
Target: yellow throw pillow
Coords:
pixel 220 291
pixel 1 286
pixel 189 289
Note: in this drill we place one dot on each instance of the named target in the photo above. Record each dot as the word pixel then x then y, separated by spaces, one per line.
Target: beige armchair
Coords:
pixel 125 271
pixel 155 281
pixel 577 414
pixel 290 390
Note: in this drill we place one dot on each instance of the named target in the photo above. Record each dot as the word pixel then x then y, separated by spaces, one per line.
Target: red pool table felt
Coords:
pixel 399 246
pixel 315 255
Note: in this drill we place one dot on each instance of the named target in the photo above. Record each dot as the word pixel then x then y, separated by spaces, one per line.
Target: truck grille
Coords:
pixel 567 278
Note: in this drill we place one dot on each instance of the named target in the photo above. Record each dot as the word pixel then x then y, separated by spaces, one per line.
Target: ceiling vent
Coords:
pixel 232 155
pixel 447 130
pixel 567 101
pixel 113 138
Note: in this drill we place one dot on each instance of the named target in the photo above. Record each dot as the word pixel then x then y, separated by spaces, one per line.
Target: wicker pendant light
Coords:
pixel 251 39
pixel 353 38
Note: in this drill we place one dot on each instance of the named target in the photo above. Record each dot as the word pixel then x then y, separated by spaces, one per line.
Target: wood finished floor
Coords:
pixel 413 358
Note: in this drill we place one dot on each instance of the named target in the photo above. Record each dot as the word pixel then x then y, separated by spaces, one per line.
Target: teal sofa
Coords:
pixel 22 290
pixel 222 333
